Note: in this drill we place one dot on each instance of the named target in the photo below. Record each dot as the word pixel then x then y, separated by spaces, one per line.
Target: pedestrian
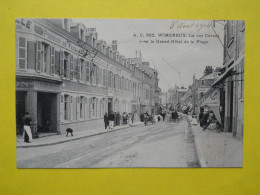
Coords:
pixel 106 120
pixel 201 118
pixel 132 118
pixel 205 120
pixel 111 118
pixel 27 133
pixel 163 115
pixel 115 121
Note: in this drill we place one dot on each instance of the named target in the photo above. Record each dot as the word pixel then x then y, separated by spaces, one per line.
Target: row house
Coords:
pixel 66 77
pixel 231 81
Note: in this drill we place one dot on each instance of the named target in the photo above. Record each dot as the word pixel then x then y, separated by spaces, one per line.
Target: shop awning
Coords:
pixel 228 71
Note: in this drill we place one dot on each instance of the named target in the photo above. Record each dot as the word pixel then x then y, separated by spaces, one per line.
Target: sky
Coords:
pixel 175 62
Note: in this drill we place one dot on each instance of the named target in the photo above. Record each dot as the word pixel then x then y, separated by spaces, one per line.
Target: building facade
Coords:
pixel 231 82
pixel 67 77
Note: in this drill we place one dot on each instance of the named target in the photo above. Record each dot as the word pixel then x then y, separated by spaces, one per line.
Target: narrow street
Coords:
pixel 165 144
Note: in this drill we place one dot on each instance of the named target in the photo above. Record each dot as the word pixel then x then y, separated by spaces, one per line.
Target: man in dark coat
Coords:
pixel 205 120
pixel 201 118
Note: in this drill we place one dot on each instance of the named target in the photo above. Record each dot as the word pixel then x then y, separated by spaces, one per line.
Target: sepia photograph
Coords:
pixel 129 93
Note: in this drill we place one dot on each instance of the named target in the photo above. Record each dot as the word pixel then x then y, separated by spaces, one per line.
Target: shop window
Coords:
pixel 93 106
pixel 81 106
pixel 22 53
pixel 66 107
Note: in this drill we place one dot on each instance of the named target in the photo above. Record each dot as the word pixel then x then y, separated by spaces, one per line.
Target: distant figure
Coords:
pixel 132 118
pixel 115 120
pixel 205 120
pixel 27 133
pixel 163 115
pixel 118 119
pixel 111 118
pixel 106 120
pixel 201 118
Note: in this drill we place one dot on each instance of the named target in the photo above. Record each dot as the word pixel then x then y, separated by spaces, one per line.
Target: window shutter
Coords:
pixel 39 56
pixel 87 71
pixel 78 70
pixel 52 60
pixel 22 53
pixel 61 108
pixel 97 68
pixel 75 68
pixel 61 63
pixel 71 67
pixel 57 62
pixel 68 66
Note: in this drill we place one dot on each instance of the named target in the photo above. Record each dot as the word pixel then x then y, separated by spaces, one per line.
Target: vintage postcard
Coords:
pixel 108 93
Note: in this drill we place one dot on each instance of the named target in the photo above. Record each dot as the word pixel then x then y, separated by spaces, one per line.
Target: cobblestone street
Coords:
pixel 165 144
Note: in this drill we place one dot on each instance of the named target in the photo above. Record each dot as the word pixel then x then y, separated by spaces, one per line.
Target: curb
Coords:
pixel 203 162
pixel 74 139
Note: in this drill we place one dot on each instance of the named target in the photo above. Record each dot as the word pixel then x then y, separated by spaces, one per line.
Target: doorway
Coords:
pixel 46 112
pixel 20 110
pixel 109 105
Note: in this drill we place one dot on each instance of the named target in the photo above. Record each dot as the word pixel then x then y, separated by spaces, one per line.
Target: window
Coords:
pixel 202 82
pixel 81 65
pixel 66 107
pixel 66 64
pixel 81 106
pixel 82 34
pixel 45 54
pixel 93 74
pixel 93 108
pixel 22 53
pixel 88 71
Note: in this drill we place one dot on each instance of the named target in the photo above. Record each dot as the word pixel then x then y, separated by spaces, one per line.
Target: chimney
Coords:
pixel 208 70
pixel 114 45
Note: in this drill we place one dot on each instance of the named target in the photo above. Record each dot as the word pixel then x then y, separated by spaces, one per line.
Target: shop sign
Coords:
pixel 24 84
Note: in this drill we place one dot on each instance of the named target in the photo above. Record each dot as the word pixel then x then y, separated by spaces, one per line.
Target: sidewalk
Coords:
pixel 53 138
pixel 217 149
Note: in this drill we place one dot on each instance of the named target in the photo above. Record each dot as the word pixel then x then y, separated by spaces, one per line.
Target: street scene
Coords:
pixel 107 93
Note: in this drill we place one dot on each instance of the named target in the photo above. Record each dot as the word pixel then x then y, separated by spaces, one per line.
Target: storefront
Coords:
pixel 41 100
